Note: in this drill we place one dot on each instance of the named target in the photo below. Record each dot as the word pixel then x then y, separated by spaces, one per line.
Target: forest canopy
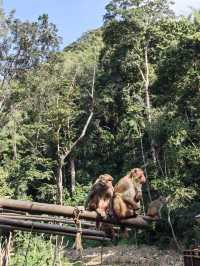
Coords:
pixel 122 96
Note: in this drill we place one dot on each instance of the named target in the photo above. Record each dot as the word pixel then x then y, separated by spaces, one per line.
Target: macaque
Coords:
pixel 128 193
pixel 155 207
pixel 100 195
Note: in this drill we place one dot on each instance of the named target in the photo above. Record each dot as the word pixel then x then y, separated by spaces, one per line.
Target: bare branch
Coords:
pixel 141 72
pixel 68 151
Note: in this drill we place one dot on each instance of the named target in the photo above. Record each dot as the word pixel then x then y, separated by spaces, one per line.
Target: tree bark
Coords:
pixel 60 180
pixel 13 132
pixel 146 87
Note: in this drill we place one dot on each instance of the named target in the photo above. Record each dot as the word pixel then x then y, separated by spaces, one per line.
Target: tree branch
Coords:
pixel 68 151
pixel 140 70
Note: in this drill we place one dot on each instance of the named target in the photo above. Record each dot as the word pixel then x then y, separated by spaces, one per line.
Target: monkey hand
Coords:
pixel 101 213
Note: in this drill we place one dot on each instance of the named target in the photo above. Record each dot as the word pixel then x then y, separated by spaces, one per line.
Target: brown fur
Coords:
pixel 127 194
pixel 154 208
pixel 100 195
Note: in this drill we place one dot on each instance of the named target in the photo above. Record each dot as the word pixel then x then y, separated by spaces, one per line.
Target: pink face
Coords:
pixel 107 179
pixel 110 186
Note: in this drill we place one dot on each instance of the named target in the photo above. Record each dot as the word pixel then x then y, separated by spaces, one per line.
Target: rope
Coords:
pixel 78 239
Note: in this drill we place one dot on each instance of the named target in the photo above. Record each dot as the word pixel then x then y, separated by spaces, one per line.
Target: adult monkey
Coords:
pixel 100 195
pixel 128 193
pixel 99 200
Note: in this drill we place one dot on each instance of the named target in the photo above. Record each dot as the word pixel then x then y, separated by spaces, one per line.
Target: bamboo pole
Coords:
pixel 44 219
pixel 51 227
pixel 34 230
pixel 68 211
pixel 51 220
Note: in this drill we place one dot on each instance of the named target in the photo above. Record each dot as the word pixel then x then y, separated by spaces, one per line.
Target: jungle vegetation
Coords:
pixel 122 96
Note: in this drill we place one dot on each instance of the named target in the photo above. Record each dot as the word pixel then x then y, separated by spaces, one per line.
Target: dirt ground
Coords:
pixel 127 255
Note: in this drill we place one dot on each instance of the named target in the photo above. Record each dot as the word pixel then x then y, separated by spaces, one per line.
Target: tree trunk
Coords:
pixel 73 175
pixel 60 180
pixel 14 144
pixel 13 132
pixel 148 103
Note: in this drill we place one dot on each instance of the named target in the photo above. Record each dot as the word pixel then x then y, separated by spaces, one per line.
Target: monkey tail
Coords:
pixel 119 206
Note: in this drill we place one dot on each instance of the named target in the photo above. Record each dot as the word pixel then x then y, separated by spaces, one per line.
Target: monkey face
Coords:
pixel 106 180
pixel 105 185
pixel 138 175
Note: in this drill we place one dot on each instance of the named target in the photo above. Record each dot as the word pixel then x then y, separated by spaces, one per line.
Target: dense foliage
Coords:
pixel 144 67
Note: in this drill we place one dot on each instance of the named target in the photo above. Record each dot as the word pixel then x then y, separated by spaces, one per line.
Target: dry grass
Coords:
pixel 128 255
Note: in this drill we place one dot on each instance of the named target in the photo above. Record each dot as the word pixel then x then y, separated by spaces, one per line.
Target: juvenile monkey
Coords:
pixel 100 195
pixel 155 207
pixel 128 193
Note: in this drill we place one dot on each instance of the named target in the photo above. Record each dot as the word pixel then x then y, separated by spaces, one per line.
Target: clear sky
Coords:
pixel 74 17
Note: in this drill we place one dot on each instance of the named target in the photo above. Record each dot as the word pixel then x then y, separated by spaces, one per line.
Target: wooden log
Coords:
pixel 51 227
pixel 68 211
pixel 42 231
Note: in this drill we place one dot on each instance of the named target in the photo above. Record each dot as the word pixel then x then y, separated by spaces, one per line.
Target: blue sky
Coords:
pixel 74 17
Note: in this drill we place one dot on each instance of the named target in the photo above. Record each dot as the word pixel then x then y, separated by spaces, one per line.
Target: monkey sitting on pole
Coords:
pixel 100 195
pixel 128 193
pixel 99 200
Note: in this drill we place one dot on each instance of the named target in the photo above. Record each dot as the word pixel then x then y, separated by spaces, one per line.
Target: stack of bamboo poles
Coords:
pixel 55 219
pixel 11 220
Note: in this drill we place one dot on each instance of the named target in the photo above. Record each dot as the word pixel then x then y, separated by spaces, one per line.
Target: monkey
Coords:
pixel 128 193
pixel 155 207
pixel 99 199
pixel 100 195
